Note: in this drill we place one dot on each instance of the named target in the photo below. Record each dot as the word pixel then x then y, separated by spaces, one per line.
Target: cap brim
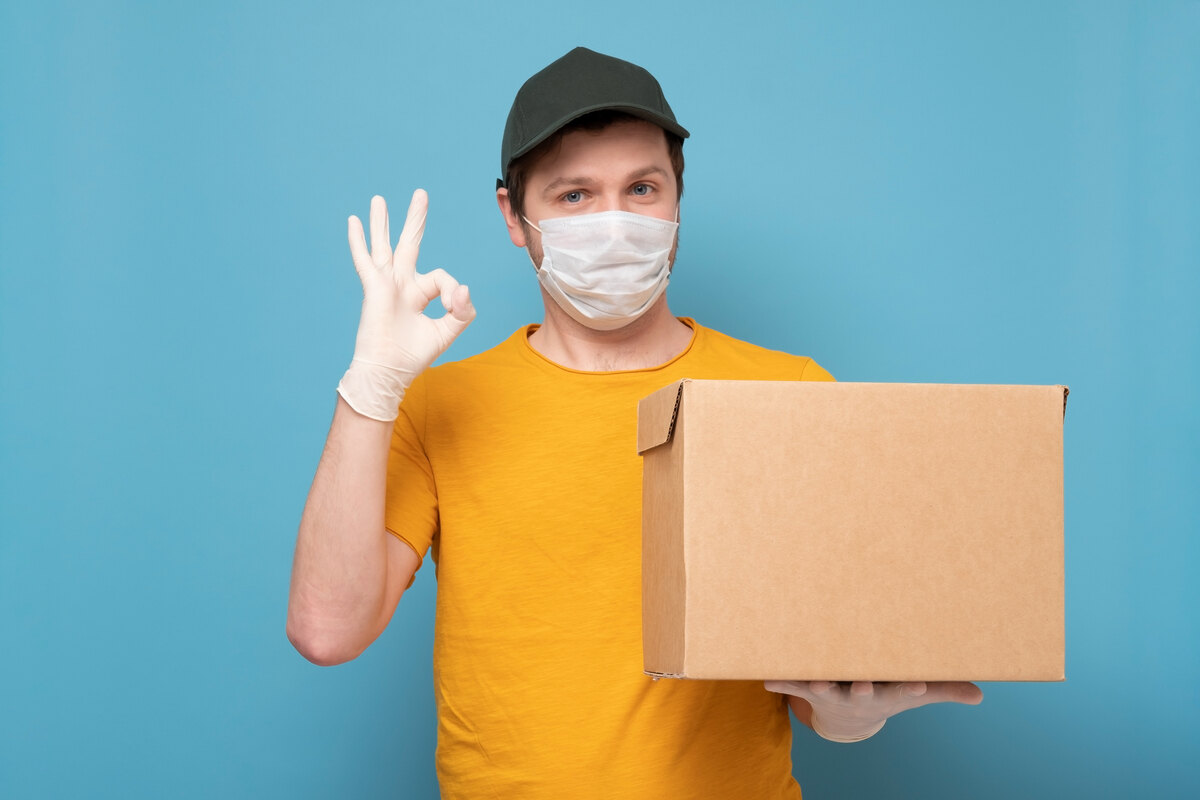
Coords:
pixel 641 112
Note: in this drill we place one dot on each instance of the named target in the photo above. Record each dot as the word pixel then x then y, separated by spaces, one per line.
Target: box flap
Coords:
pixel 657 414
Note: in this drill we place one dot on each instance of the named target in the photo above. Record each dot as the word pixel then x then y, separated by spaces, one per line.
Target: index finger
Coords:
pixel 414 228
pixel 947 692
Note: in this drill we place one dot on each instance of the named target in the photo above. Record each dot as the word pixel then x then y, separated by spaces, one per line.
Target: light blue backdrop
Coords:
pixel 960 192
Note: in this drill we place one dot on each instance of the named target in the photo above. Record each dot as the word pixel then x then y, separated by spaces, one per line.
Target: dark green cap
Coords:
pixel 579 83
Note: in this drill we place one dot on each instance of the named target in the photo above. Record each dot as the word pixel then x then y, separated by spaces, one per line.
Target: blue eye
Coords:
pixel 573 197
pixel 641 189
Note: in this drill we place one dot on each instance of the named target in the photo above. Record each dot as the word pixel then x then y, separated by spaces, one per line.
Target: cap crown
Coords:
pixel 579 83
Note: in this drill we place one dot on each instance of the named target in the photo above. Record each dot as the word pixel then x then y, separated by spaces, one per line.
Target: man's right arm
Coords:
pixel 348 573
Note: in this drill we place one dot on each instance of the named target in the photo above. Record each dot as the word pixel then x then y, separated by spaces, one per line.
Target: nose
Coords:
pixel 614 201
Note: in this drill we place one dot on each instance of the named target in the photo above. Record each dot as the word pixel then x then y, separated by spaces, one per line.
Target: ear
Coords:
pixel 516 228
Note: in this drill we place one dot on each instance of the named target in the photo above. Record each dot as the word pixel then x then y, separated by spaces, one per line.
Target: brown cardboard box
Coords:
pixel 852 531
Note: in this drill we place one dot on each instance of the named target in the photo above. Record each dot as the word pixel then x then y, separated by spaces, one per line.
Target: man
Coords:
pixel 517 468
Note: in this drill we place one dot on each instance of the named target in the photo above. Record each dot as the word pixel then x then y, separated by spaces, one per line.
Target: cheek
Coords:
pixel 533 246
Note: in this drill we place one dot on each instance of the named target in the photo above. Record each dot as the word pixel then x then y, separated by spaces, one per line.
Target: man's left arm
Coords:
pixel 851 712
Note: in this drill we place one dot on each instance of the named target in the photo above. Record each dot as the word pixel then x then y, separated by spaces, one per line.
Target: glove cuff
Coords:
pixel 841 738
pixel 374 390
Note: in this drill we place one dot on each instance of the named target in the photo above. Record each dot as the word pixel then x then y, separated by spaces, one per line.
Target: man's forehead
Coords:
pixel 629 147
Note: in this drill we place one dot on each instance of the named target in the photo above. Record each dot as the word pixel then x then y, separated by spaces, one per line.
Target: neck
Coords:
pixel 653 339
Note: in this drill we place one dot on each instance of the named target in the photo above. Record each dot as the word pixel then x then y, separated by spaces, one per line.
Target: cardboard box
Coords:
pixel 852 531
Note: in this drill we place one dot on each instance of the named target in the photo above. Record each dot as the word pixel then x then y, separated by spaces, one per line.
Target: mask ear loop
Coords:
pixel 529 254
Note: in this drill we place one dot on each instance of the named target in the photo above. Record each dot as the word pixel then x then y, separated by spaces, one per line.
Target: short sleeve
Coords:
pixel 814 372
pixel 410 508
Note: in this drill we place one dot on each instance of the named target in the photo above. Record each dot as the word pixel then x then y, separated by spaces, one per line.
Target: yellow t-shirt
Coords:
pixel 524 478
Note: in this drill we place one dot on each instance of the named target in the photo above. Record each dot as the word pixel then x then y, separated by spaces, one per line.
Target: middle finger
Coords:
pixel 381 245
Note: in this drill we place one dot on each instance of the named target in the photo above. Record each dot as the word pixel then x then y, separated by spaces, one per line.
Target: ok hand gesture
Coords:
pixel 396 340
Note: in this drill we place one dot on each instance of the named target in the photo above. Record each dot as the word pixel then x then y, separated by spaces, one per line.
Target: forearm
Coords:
pixel 338 600
pixel 801 709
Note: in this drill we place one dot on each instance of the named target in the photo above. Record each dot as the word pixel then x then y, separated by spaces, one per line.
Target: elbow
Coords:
pixel 320 649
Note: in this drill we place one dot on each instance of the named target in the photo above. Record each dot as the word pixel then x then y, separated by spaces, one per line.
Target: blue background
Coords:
pixel 988 192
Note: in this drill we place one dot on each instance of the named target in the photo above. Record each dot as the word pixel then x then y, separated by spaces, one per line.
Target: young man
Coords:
pixel 517 469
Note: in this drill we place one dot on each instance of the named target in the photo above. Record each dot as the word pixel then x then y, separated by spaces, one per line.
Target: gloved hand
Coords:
pixel 396 341
pixel 853 712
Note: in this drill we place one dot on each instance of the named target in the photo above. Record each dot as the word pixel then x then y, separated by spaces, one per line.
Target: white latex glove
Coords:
pixel 852 712
pixel 396 341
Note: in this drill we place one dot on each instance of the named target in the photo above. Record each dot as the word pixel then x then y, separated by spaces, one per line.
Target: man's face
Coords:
pixel 623 167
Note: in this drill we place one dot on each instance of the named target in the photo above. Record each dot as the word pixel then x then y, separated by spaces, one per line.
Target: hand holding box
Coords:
pixel 856 711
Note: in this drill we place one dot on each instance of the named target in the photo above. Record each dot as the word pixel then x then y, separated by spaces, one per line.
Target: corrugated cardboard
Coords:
pixel 852 531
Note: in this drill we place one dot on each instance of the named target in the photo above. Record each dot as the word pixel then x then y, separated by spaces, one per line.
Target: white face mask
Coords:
pixel 606 270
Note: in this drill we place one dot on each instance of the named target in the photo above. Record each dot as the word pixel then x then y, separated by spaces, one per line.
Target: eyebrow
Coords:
pixel 557 183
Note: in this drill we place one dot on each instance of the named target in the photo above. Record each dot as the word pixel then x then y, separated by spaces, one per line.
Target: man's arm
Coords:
pixel 801 709
pixel 348 573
